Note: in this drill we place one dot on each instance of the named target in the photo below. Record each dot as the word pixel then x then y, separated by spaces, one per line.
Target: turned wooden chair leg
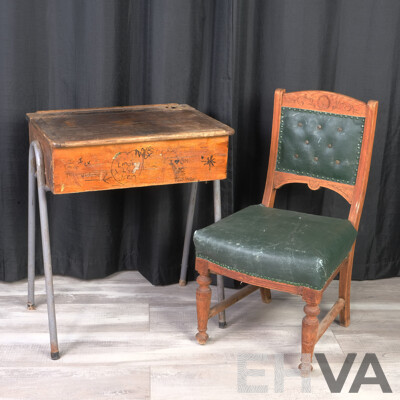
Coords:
pixel 265 295
pixel 203 301
pixel 309 335
pixel 344 290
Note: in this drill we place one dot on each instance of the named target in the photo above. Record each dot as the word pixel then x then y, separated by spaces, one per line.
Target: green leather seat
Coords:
pixel 278 245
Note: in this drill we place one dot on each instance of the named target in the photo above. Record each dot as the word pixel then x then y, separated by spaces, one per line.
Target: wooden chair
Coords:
pixel 322 139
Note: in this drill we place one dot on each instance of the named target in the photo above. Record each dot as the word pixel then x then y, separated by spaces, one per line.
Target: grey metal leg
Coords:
pixel 188 234
pixel 220 278
pixel 31 230
pixel 36 153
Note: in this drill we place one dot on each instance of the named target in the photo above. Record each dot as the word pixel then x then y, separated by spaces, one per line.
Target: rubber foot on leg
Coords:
pixel 222 325
pixel 31 306
pixel 182 282
pixel 55 356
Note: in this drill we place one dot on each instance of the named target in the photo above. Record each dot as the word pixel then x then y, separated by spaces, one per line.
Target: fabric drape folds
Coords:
pixel 223 57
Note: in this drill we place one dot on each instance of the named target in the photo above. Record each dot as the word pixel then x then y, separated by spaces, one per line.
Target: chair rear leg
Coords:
pixel 203 301
pixel 265 295
pixel 309 335
pixel 344 289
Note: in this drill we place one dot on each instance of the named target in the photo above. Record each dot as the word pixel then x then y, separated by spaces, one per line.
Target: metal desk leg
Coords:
pixel 31 230
pixel 220 278
pixel 188 234
pixel 35 156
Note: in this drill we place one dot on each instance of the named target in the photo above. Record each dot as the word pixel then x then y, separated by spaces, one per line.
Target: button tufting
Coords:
pixel 295 122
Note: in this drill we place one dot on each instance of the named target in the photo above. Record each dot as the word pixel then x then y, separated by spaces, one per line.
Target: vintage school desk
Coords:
pixel 85 150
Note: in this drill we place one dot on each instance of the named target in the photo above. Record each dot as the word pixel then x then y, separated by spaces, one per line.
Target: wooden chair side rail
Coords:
pixel 312 328
pixel 254 283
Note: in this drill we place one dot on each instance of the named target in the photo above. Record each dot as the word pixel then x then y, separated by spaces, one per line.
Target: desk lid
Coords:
pixel 99 126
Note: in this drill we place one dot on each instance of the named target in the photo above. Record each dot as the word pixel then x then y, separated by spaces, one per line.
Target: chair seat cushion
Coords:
pixel 278 245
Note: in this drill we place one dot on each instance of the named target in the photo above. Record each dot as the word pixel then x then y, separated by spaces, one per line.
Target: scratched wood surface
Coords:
pixel 139 164
pixel 93 127
pixel 122 338
pixel 111 148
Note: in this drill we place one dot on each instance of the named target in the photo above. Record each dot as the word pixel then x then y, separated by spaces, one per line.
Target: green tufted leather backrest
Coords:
pixel 320 144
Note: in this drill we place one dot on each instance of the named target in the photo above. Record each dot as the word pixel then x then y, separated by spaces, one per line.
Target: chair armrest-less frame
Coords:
pixel 349 179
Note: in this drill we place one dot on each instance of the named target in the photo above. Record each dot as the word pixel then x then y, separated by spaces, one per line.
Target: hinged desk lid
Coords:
pixel 91 127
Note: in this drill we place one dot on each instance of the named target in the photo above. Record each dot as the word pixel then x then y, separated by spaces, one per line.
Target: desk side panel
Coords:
pixel 118 166
pixel 36 134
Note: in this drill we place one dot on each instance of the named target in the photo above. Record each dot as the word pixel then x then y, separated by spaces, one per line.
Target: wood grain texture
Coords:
pixel 122 147
pixel 306 293
pixel 283 178
pixel 240 294
pixel 309 335
pixel 270 192
pixel 325 101
pixel 364 164
pixel 203 301
pixel 95 127
pixel 329 317
pixel 265 295
pixel 36 134
pixel 345 288
pixel 117 166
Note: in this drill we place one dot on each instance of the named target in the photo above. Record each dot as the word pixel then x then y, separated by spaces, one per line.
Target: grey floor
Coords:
pixel 122 338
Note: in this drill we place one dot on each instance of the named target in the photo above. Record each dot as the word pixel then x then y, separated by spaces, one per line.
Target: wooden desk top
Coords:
pixel 90 127
pixel 121 147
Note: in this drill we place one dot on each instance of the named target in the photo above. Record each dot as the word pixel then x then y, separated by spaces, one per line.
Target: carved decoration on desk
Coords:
pixel 125 165
pixel 75 170
pixel 71 171
pixel 210 161
pixel 178 168
pixel 85 163
pixel 106 178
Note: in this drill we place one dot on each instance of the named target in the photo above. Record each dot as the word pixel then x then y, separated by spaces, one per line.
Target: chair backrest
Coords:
pixel 322 139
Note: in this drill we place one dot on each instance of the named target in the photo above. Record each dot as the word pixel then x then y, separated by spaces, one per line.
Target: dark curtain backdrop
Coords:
pixel 223 57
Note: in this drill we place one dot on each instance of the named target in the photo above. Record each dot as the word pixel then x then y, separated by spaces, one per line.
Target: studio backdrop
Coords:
pixel 222 57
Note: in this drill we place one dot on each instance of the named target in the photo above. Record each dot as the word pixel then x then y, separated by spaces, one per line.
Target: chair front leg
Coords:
pixel 203 300
pixel 309 335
